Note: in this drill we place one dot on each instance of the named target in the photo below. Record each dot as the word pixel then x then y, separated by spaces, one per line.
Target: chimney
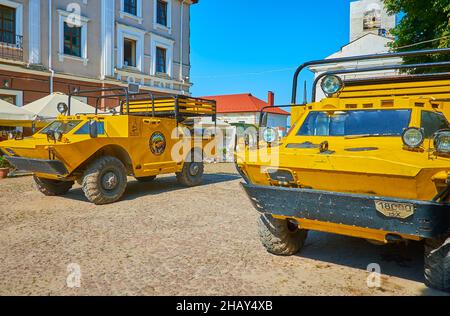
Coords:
pixel 271 98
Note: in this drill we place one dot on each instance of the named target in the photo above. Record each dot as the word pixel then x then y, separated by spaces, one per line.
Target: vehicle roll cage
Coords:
pixel 369 69
pixel 124 97
pixel 361 70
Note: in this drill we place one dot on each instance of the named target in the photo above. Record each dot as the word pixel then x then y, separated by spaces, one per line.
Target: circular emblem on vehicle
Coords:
pixel 158 143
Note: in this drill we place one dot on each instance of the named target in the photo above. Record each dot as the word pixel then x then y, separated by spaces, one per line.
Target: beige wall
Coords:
pixel 92 67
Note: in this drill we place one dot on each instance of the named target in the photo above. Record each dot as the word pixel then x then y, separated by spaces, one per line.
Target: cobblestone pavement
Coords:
pixel 163 239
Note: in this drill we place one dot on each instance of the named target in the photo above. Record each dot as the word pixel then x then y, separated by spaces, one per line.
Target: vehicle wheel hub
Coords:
pixel 194 169
pixel 110 181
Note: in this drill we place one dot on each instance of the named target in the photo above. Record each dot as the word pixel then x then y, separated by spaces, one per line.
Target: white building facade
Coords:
pixel 370 33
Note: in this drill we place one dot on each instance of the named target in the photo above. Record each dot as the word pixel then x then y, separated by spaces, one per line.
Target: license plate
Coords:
pixel 395 210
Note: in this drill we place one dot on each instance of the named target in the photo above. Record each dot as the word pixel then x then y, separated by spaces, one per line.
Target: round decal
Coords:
pixel 158 143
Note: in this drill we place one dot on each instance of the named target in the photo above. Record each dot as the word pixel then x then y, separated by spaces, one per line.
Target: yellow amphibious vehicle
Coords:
pixel 100 151
pixel 371 160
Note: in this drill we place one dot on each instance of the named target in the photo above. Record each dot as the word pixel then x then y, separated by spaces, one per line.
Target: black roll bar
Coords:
pixel 377 68
pixel 359 58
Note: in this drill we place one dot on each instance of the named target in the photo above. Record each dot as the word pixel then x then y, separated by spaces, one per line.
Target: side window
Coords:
pixel 84 130
pixel 433 122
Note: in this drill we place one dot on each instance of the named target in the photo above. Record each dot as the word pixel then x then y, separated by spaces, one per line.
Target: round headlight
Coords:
pixel 331 85
pixel 413 137
pixel 270 135
pixel 62 107
pixel 442 142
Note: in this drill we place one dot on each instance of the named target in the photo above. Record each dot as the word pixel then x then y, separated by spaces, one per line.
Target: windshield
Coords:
pixel 61 127
pixel 356 123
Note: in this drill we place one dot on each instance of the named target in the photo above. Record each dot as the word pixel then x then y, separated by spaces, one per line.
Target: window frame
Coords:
pixel 13 22
pixel 128 5
pixel 296 132
pixel 132 33
pixel 18 7
pixel 138 16
pixel 168 45
pixel 435 113
pixel 72 36
pixel 158 62
pixel 133 51
pixel 156 25
pixel 63 16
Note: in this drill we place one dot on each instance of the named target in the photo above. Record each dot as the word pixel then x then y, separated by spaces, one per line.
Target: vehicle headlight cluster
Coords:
pixel 270 135
pixel 62 108
pixel 332 85
pixel 413 137
pixel 442 142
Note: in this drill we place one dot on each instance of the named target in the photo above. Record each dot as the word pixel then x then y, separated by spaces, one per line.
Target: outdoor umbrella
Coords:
pixel 13 116
pixel 46 108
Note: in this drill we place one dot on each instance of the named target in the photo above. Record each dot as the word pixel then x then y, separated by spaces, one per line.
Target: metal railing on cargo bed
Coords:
pixel 178 106
pixel 137 103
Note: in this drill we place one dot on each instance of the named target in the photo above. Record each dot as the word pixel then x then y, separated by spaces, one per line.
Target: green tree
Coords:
pixel 423 20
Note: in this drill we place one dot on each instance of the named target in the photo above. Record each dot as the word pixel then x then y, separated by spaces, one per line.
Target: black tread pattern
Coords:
pixel 186 179
pixel 52 187
pixel 92 183
pixel 437 263
pixel 278 239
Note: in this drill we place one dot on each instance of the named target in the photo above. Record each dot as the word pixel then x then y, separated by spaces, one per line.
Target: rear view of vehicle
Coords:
pixel 371 160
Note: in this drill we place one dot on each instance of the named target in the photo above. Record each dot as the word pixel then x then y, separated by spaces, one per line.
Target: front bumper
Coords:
pixel 53 167
pixel 429 219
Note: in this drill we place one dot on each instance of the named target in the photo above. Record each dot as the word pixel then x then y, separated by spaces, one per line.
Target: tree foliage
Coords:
pixel 423 20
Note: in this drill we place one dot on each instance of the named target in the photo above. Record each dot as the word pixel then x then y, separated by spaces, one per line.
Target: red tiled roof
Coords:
pixel 240 103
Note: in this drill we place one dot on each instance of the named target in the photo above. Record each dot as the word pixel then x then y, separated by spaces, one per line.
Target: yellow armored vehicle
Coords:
pixel 145 137
pixel 370 160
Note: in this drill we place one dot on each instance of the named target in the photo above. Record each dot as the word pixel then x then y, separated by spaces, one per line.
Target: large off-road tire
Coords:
pixel 192 174
pixel 105 181
pixel 437 263
pixel 281 237
pixel 52 187
pixel 146 179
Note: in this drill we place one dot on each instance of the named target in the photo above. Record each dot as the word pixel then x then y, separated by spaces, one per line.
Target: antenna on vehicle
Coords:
pixel 305 93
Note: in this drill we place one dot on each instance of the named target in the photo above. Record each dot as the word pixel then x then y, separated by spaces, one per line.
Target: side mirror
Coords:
pixel 93 129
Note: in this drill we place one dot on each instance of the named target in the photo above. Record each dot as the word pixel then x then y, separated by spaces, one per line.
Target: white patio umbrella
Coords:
pixel 46 108
pixel 10 112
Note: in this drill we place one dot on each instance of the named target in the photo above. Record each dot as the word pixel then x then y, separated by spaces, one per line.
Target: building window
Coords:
pixel 129 52
pixel 161 12
pixel 161 60
pixel 130 47
pixel 372 18
pixel 162 55
pixel 8 98
pixel 72 40
pixel 7 25
pixel 130 6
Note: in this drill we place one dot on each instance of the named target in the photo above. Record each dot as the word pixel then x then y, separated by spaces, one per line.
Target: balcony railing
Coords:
pixel 11 48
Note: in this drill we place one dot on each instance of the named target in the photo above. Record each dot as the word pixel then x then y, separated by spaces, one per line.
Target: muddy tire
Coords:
pixel 52 187
pixel 281 237
pixel 192 174
pixel 105 181
pixel 437 264
pixel 146 179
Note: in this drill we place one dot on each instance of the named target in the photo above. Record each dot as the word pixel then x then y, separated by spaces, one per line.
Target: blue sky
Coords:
pixel 240 46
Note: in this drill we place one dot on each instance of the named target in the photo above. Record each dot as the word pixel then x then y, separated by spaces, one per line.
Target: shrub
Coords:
pixel 4 163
